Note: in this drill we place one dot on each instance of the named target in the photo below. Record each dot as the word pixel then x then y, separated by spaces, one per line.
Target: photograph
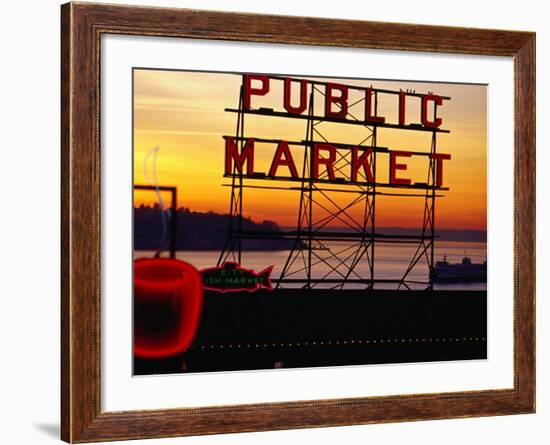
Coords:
pixel 305 221
pixel 278 222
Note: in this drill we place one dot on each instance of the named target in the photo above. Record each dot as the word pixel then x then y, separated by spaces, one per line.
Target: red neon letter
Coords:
pixel 303 96
pixel 232 154
pixel 283 149
pixel 368 108
pixel 327 162
pixel 402 98
pixel 394 166
pixel 341 100
pixel 249 91
pixel 424 111
pixel 361 161
pixel 439 157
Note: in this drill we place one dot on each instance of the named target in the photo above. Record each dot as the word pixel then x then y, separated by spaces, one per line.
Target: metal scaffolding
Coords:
pixel 313 260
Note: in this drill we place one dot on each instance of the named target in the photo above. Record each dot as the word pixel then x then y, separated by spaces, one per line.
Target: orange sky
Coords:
pixel 183 114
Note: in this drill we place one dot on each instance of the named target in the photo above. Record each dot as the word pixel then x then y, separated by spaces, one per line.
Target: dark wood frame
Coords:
pixel 82 419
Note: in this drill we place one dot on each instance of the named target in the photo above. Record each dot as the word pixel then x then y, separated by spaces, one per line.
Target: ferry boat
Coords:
pixel 464 272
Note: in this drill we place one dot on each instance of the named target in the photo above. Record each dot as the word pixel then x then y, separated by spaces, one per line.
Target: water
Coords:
pixel 391 262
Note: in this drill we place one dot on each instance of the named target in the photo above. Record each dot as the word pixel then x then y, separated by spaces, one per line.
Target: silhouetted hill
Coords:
pixel 207 231
pixel 199 231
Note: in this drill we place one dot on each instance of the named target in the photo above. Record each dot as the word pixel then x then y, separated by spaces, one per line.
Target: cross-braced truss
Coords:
pixel 334 242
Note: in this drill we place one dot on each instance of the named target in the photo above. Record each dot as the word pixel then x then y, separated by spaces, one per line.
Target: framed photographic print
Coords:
pixel 264 227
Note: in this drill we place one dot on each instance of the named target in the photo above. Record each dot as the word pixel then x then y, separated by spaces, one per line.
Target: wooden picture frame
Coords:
pixel 83 24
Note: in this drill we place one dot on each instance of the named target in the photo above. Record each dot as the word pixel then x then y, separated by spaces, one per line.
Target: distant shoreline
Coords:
pixel 207 232
pixel 467 235
pixel 280 250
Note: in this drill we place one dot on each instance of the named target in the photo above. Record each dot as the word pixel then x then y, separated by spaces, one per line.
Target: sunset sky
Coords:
pixel 183 114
